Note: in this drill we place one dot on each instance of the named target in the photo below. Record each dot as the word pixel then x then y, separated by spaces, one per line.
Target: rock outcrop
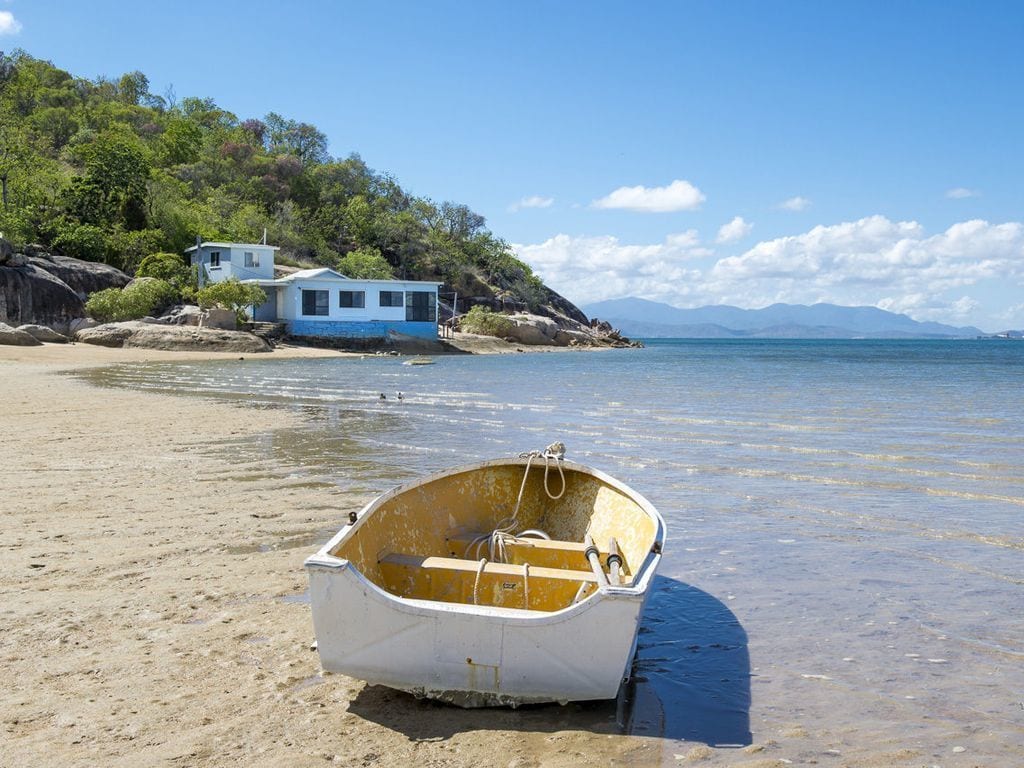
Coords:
pixel 16 337
pixel 564 331
pixel 30 295
pixel 533 330
pixel 182 314
pixel 109 334
pixel 83 277
pixel 44 333
pixel 136 333
pixel 40 288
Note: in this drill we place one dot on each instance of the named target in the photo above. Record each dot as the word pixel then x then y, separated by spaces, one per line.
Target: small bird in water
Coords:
pixel 401 396
pixel 383 396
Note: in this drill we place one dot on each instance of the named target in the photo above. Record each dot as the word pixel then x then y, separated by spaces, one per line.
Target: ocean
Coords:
pixel 844 566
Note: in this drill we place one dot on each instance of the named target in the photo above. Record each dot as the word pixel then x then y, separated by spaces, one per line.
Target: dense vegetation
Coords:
pixel 486 322
pixel 104 170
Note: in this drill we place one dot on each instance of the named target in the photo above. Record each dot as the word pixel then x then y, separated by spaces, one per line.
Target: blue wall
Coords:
pixel 372 329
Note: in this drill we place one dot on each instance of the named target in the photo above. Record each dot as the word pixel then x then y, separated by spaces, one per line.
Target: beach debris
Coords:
pixel 959 750
pixel 816 677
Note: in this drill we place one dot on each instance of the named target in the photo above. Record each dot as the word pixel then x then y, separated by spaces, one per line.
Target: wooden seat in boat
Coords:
pixel 457 580
pixel 547 553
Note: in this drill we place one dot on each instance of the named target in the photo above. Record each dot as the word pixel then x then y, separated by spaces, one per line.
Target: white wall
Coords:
pixel 232 263
pixel 290 306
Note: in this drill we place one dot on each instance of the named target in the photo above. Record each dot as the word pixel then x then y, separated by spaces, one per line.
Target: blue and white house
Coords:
pixel 322 302
pixel 219 261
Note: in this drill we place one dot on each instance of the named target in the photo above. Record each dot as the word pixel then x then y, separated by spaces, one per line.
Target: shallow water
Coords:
pixel 845 559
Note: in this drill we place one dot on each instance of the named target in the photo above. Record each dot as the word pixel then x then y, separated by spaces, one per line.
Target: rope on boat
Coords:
pixel 502 536
pixel 526 586
pixel 476 581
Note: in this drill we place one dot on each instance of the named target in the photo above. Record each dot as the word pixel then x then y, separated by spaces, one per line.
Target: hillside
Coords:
pixel 105 170
pixel 642 318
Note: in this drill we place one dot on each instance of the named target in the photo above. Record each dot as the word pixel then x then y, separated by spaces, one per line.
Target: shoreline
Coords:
pixel 153 595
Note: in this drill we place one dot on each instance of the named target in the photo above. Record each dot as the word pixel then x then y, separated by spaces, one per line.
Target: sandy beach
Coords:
pixel 153 605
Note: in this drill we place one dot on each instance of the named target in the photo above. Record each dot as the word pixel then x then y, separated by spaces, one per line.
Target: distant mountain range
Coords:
pixel 651 319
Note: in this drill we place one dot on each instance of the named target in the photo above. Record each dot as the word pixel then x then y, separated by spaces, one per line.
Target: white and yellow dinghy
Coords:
pixel 504 582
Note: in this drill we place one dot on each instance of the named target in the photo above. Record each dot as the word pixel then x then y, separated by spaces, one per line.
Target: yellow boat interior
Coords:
pixel 503 535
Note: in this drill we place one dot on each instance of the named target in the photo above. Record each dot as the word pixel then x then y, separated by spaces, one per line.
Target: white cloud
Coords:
pixel 959 193
pixel 680 195
pixel 795 204
pixel 8 24
pixel 894 265
pixel 874 261
pixel 533 201
pixel 736 229
pixel 589 269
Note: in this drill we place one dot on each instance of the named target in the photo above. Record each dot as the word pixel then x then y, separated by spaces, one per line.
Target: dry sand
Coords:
pixel 152 609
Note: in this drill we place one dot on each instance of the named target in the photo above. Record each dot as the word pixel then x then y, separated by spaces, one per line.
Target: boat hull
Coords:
pixel 475 655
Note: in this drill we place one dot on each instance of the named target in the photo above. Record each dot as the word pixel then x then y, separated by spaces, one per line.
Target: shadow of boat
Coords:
pixel 691 675
pixel 691 682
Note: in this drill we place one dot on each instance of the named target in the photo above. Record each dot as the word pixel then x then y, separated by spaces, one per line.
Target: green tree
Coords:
pixel 164 266
pixel 303 140
pixel 365 263
pixel 83 241
pixel 133 87
pixel 180 142
pixel 231 294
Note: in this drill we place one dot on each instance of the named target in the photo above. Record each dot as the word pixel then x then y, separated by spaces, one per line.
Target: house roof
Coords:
pixel 313 274
pixel 232 245
pixel 326 273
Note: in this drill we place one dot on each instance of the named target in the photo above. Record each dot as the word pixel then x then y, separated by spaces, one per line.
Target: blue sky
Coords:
pixel 687 152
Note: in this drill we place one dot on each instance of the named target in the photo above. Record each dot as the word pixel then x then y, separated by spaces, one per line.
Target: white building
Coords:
pixel 323 302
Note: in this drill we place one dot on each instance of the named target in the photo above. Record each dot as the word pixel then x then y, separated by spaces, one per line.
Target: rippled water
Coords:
pixel 845 559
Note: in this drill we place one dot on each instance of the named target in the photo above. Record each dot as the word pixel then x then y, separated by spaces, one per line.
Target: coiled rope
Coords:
pixel 502 536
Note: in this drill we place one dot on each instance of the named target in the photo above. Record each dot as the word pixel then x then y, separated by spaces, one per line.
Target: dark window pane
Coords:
pixel 356 299
pixel 421 306
pixel 315 303
pixel 391 298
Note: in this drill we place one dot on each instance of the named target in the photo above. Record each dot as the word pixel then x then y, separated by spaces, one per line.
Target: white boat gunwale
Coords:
pixel 643 574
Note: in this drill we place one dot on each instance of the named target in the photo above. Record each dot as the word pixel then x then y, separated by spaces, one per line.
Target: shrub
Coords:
pixel 83 241
pixel 139 299
pixel 485 322
pixel 365 264
pixel 231 294
pixel 164 266
pixel 129 248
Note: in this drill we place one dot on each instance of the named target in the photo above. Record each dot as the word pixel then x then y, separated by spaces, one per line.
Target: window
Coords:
pixel 353 299
pixel 214 259
pixel 391 298
pixel 315 303
pixel 421 306
pixel 251 259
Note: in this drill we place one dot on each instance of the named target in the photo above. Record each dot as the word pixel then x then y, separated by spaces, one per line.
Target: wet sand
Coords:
pixel 152 598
